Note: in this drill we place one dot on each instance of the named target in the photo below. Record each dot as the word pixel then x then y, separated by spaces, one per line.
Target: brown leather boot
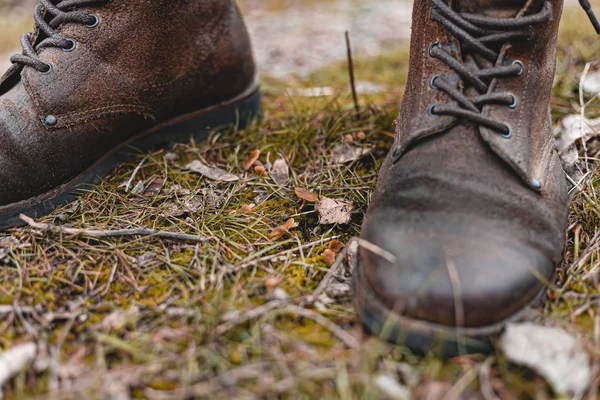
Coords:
pixel 100 79
pixel 470 213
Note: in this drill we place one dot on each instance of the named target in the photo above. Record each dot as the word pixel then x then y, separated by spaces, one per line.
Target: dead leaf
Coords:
pixel 155 186
pixel 591 84
pixel 306 195
pixel 278 232
pixel 213 173
pixel 329 256
pixel 332 211
pixel 573 130
pixel 280 172
pixel 391 388
pixel 336 246
pixel 253 158
pixel 13 360
pixel 555 354
pixel 170 156
pixel 345 153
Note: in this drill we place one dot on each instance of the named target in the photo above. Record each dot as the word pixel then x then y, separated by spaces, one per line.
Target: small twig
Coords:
pixel 485 372
pixel 582 115
pixel 135 172
pixel 250 315
pixel 351 69
pixel 596 363
pixel 377 250
pixel 90 233
pixel 284 253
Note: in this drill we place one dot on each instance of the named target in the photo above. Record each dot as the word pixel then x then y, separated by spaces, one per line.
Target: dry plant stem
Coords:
pixel 250 315
pixel 95 234
pixel 284 253
pixel 582 115
pixel 282 307
pixel 596 365
pixel 376 250
pixel 351 70
pixel 135 172
pixel 484 376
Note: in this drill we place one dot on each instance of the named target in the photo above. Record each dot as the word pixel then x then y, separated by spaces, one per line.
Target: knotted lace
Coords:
pixel 481 37
pixel 57 12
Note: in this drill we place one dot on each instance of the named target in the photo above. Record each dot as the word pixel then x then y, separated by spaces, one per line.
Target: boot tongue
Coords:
pixel 490 8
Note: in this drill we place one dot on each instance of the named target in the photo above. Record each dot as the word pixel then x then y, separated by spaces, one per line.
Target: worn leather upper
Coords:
pixel 475 240
pixel 146 62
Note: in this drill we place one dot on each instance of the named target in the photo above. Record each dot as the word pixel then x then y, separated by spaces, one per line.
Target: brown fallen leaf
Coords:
pixel 333 211
pixel 344 153
pixel 253 158
pixel 336 246
pixel 155 186
pixel 278 232
pixel 280 172
pixel 306 195
pixel 329 256
pixel 213 173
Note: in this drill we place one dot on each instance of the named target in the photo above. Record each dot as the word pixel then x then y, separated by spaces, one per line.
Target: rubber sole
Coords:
pixel 423 337
pixel 238 113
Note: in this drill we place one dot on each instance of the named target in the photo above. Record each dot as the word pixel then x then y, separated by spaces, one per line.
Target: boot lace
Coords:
pixel 481 37
pixel 48 16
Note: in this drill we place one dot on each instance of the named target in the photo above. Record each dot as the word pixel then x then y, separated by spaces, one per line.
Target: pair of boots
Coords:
pixel 471 203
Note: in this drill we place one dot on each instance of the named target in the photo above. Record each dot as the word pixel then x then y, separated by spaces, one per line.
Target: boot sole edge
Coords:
pixel 423 337
pixel 239 112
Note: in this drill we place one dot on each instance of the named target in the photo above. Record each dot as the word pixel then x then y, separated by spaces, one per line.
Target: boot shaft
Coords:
pixel 527 143
pixel 154 57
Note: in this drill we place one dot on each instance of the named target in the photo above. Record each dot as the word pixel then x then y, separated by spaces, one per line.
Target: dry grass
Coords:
pixel 234 316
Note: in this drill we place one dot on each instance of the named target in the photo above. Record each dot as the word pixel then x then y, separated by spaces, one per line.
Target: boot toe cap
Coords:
pixel 453 271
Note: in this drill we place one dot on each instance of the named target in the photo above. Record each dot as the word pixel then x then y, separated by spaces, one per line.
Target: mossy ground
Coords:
pixel 149 318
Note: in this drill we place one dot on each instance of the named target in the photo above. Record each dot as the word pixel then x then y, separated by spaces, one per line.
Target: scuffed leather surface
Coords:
pixel 147 61
pixel 451 205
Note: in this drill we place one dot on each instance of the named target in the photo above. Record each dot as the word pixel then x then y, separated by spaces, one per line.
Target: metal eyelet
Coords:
pixel 433 45
pixel 520 64
pixel 72 47
pixel 432 81
pixel 50 120
pixel 49 70
pixel 95 19
pixel 535 184
pixel 508 134
pixel 430 111
pixel 514 103
pixel 434 8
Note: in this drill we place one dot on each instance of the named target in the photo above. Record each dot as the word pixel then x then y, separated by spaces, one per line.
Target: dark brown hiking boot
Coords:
pixel 101 79
pixel 469 217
